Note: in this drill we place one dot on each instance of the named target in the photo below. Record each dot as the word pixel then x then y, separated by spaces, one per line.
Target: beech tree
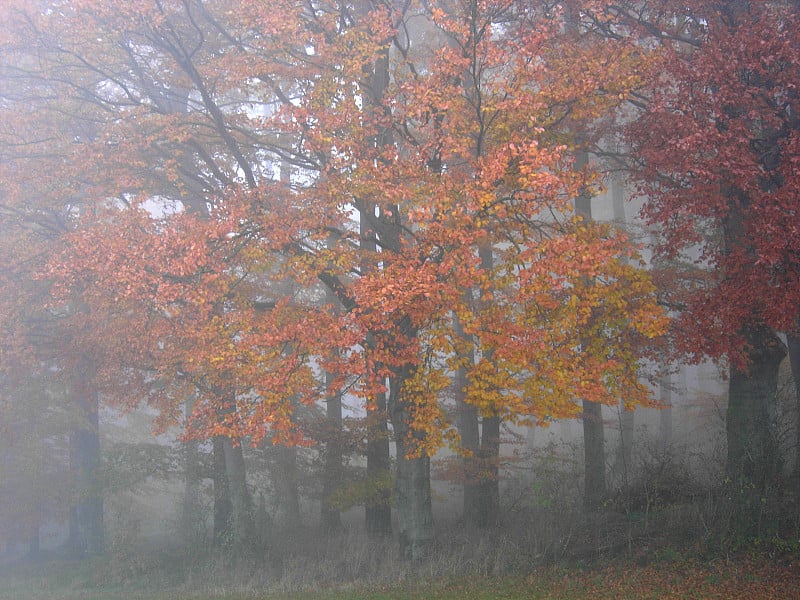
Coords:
pixel 715 151
pixel 428 216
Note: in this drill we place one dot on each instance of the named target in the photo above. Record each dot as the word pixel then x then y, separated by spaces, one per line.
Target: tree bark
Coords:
pixel 469 430
pixel 242 526
pixel 489 489
pixel 794 361
pixel 223 509
pixel 86 532
pixel 627 418
pixel 414 502
pixel 665 415
pixel 414 510
pixel 284 478
pixel 593 431
pixel 378 511
pixel 753 459
pixel 594 455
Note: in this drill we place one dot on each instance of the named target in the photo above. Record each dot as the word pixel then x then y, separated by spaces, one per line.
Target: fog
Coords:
pixel 307 294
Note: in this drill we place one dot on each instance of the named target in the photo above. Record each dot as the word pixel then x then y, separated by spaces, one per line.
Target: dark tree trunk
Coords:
pixel 223 509
pixel 378 512
pixel 626 428
pixel 753 459
pixel 594 455
pixel 379 506
pixel 665 416
pixel 86 533
pixel 489 488
pixel 285 480
pixel 414 502
pixel 794 361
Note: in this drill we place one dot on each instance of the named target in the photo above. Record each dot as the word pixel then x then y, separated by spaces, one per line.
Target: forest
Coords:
pixel 315 292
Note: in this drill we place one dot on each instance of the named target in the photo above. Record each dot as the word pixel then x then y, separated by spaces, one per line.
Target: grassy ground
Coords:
pixel 743 577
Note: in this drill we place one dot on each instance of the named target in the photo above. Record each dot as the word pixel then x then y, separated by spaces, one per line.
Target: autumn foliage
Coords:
pixel 227 296
pixel 250 194
pixel 716 155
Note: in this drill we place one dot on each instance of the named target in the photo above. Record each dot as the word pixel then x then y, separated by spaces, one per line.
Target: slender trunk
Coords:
pixel 332 476
pixel 794 360
pixel 594 455
pixel 378 510
pixel 284 478
pixel 86 532
pixel 625 450
pixel 414 502
pixel 665 416
pixel 489 489
pixel 627 419
pixel 242 526
pixel 593 433
pixel 223 509
pixel 753 459
pixel 468 428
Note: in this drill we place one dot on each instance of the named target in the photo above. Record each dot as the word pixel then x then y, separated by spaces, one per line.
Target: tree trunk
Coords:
pixel 593 434
pixel 86 533
pixel 242 526
pixel 753 459
pixel 665 415
pixel 489 489
pixel 794 361
pixel 332 476
pixel 468 428
pixel 284 478
pixel 414 508
pixel 223 509
pixel 414 511
pixel 378 511
pixel 594 455
pixel 627 418
pixel 625 450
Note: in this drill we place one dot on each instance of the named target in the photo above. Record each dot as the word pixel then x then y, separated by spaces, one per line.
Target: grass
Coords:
pixel 743 577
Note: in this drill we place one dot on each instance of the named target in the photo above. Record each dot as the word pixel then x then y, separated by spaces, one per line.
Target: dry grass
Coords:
pixel 742 577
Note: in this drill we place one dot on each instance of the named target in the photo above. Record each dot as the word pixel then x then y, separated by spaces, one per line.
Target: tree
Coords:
pixel 715 149
pixel 38 351
pixel 401 183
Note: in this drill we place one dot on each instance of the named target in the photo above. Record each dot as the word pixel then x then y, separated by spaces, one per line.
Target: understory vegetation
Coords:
pixel 664 535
